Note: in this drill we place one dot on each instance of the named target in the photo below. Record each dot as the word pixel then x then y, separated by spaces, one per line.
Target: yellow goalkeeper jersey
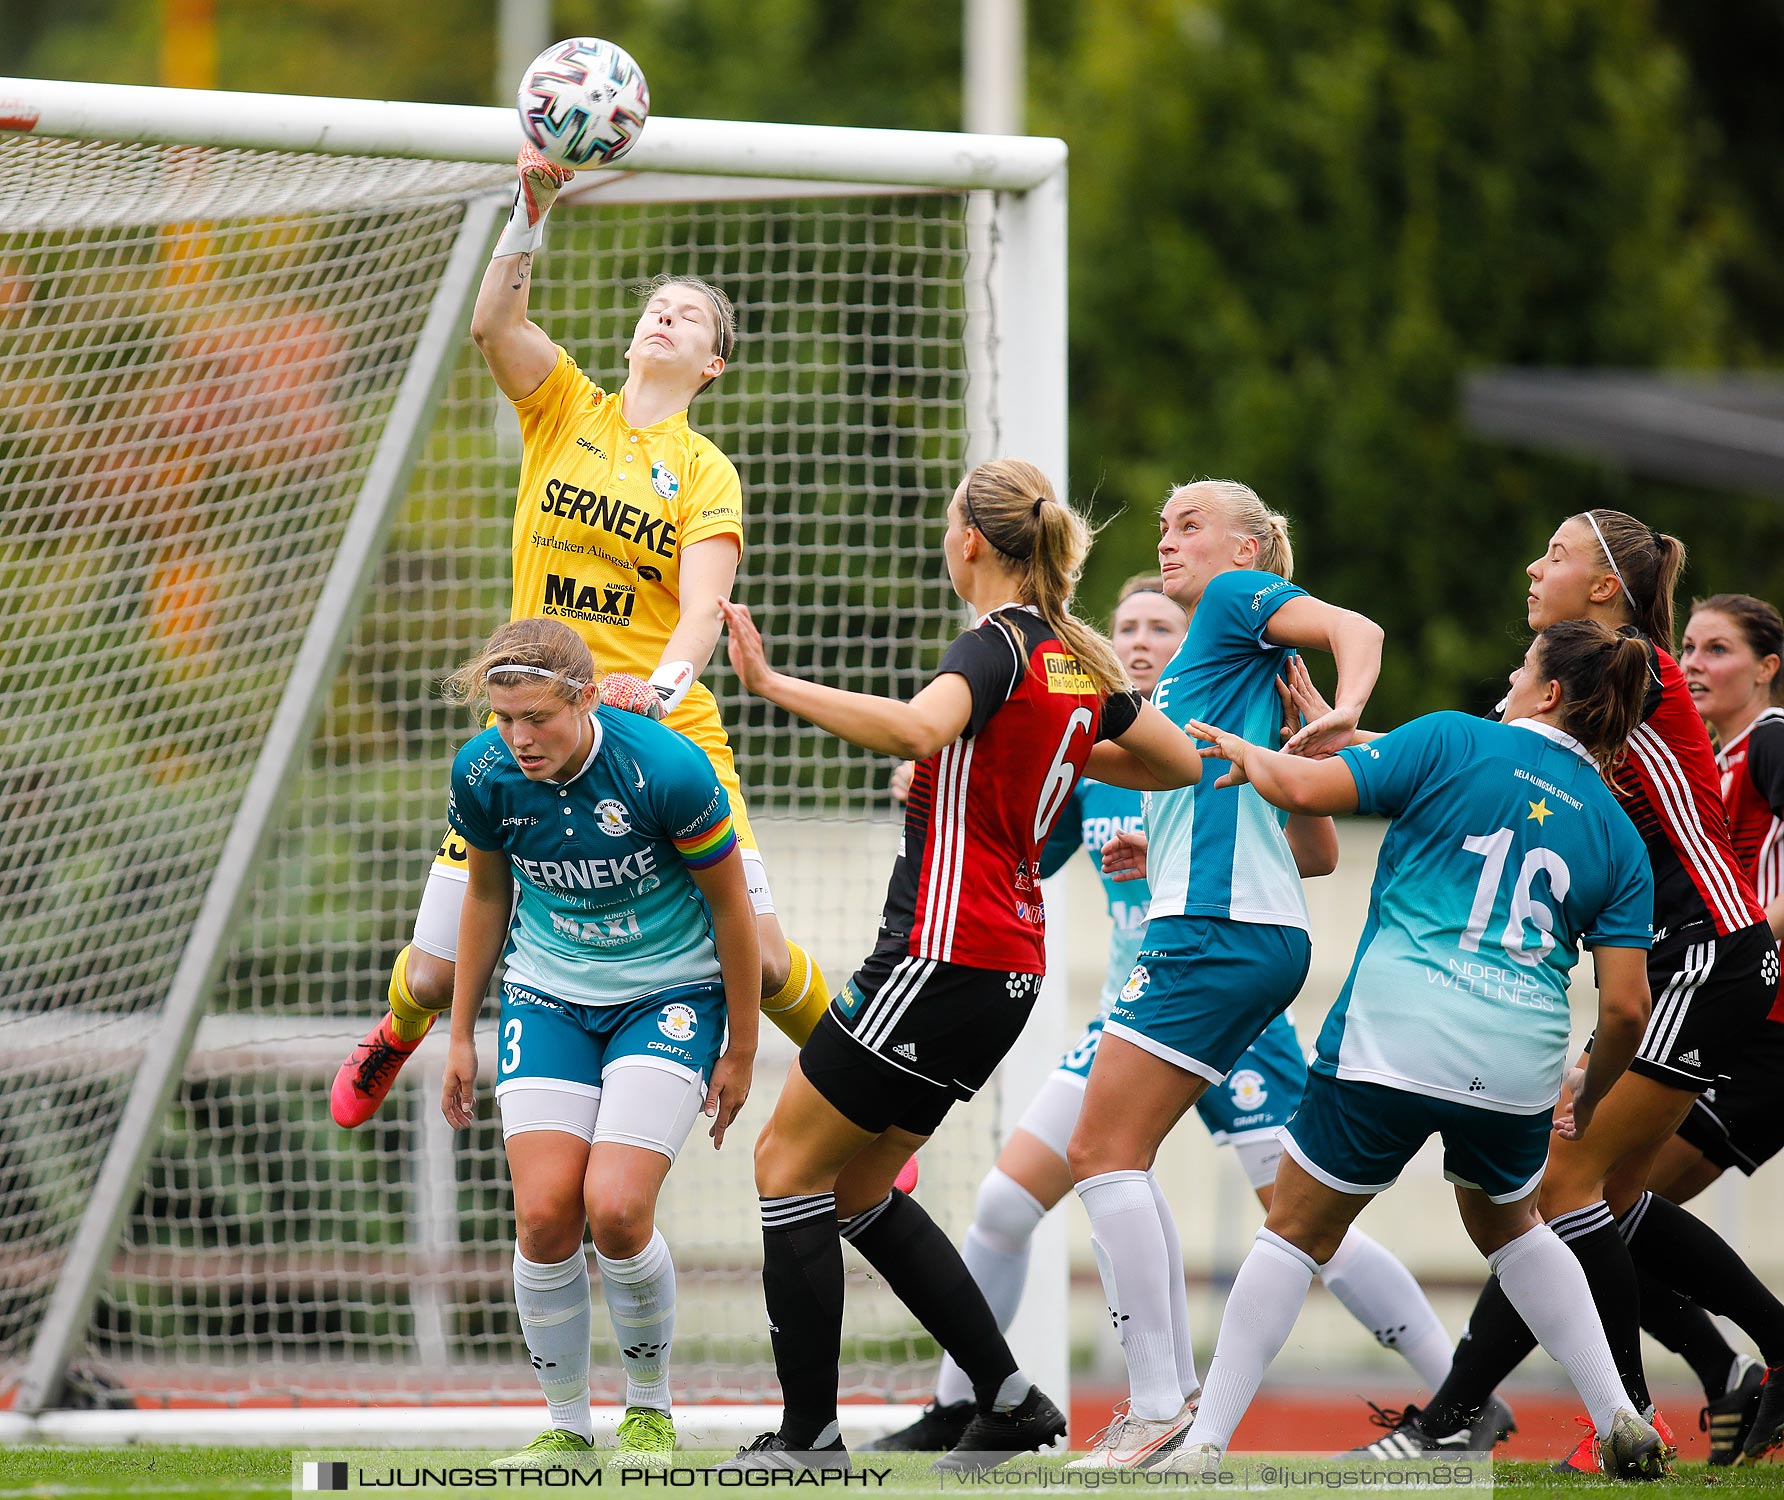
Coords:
pixel 604 510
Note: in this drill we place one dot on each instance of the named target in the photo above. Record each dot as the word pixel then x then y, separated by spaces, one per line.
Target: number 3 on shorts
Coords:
pixel 511 1040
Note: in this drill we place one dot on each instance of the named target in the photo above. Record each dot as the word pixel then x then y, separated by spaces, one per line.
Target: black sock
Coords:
pixel 1686 1329
pixel 1591 1233
pixel 927 1275
pixel 1682 1252
pixel 1494 1344
pixel 802 1282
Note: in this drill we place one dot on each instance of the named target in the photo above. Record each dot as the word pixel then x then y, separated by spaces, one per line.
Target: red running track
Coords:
pixel 1330 1421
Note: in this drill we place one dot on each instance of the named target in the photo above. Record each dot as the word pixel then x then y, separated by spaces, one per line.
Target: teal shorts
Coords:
pixel 545 1038
pixel 1356 1137
pixel 1203 989
pixel 1261 1090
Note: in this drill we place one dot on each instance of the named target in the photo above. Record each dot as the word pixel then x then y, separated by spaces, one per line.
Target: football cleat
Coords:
pixel 936 1431
pixel 1767 1431
pixel 555 1448
pixel 1729 1418
pixel 1407 1437
pixel 771 1451
pixel 1131 1442
pixel 994 1437
pixel 365 1078
pixel 1632 1449
pixel 646 1439
pixel 906 1180
pixel 1202 1460
pixel 1584 1458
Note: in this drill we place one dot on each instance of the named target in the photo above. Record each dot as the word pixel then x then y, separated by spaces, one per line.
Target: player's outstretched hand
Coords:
pixel 1124 857
pixel 730 1088
pixel 1325 735
pixel 458 1095
pixel 1571 1116
pixel 634 694
pixel 902 775
pixel 540 182
pixel 1228 747
pixel 749 660
pixel 1296 687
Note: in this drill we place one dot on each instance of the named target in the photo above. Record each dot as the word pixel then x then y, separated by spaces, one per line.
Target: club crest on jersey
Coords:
pixel 1248 1089
pixel 677 1022
pixel 664 482
pixel 611 817
pixel 1136 984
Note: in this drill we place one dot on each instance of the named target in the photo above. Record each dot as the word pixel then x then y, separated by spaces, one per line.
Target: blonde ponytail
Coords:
pixel 1012 505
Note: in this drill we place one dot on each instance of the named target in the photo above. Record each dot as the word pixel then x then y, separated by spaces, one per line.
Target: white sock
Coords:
pixel 1131 1254
pixel 1382 1295
pixel 1182 1353
pixel 555 1316
pixel 641 1302
pixel 1260 1314
pixel 996 1252
pixel 1545 1284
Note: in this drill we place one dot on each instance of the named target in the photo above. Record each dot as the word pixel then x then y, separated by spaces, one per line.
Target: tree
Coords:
pixel 1295 226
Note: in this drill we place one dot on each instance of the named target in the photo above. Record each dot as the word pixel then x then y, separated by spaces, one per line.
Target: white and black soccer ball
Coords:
pixel 583 102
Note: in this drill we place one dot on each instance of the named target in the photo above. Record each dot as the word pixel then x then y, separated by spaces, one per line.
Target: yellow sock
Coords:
pixel 798 1004
pixel 409 1018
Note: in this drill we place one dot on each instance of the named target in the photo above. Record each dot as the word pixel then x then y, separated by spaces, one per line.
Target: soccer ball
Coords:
pixel 583 102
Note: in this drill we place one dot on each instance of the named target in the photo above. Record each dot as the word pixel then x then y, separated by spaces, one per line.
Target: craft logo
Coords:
pixel 1136 984
pixel 597 603
pixel 1248 1089
pixel 663 482
pixel 678 1022
pixel 610 816
pixel 1065 674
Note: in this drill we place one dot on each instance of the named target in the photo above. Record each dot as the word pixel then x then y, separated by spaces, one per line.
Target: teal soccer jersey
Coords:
pixel 1220 851
pixel 1093 815
pixel 608 912
pixel 1505 853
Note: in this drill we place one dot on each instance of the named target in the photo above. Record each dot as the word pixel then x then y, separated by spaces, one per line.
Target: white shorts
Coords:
pixel 436 922
pixel 640 1102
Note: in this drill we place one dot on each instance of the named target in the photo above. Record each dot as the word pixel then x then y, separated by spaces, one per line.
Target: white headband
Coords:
pixel 536 672
pixel 1609 557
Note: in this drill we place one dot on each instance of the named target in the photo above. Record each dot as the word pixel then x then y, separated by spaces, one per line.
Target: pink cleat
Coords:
pixel 366 1076
pixel 906 1180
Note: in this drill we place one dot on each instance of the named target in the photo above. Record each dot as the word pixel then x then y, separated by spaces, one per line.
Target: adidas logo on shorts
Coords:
pixel 905 1050
pixel 1691 1059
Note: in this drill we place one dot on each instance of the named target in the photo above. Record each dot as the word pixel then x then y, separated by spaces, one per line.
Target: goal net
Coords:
pixel 203 354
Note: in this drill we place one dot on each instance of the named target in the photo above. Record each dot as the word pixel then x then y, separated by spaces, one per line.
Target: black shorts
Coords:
pixel 928 1033
pixel 1740 1122
pixel 1710 994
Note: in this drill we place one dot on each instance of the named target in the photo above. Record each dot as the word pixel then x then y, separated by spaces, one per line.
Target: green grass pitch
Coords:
pixel 175 1473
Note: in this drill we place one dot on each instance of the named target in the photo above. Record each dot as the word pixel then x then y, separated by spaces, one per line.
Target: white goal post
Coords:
pixel 257 494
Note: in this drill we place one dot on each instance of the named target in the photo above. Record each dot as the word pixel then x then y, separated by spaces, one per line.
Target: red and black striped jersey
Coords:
pixel 1668 784
pixel 966 885
pixel 1752 767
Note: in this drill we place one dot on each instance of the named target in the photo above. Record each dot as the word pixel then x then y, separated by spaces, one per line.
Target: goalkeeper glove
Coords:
pixel 633 694
pixel 535 190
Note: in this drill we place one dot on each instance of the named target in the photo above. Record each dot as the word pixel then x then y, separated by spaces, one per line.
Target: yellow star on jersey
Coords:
pixel 1539 811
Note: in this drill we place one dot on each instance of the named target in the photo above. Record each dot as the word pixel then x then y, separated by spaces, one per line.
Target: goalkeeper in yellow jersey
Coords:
pixel 628 528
